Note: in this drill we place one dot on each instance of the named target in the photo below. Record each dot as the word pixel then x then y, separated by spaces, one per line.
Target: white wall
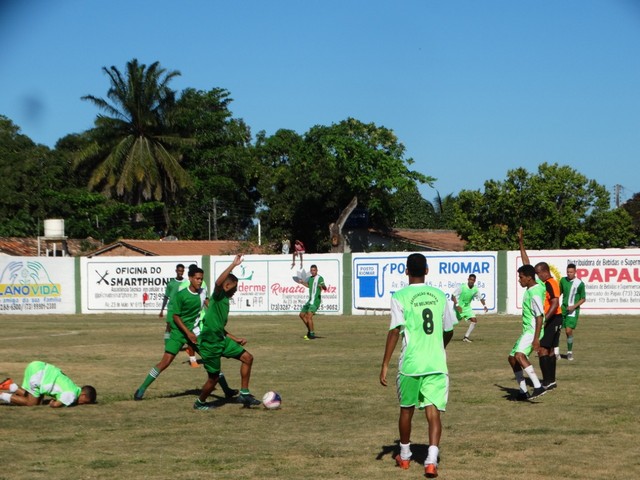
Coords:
pixel 34 285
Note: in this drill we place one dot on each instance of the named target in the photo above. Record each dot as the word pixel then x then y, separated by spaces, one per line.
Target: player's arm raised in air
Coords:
pixel 225 274
pixel 523 252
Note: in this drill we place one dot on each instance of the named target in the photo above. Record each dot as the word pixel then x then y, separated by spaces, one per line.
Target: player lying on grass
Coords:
pixel 41 380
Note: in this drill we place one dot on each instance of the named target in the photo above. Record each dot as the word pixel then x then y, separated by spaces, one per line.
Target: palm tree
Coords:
pixel 134 153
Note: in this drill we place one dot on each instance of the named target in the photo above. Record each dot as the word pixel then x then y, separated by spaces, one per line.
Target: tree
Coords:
pixel 221 164
pixel 133 154
pixel 558 207
pixel 307 181
pixel 632 207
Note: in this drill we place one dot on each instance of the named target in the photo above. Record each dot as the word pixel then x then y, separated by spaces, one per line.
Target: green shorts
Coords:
pixel 174 342
pixel 423 390
pixel 212 353
pixel 33 378
pixel 524 344
pixel 570 321
pixel 310 307
pixel 466 314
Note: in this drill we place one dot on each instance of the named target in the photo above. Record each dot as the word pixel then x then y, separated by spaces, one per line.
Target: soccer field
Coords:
pixel 336 421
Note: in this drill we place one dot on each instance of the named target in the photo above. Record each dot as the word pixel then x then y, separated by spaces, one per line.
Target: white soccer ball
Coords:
pixel 271 400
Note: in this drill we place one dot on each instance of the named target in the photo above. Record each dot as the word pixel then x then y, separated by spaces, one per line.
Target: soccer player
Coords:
pixel 573 295
pixel 462 298
pixel 43 379
pixel 421 316
pixel 172 287
pixel 315 284
pixel 185 309
pixel 529 340
pixel 215 341
pixel 552 322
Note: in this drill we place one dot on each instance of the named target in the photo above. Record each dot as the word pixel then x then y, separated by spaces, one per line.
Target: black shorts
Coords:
pixel 551 335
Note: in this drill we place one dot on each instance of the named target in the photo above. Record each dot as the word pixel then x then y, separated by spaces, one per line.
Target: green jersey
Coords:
pixel 187 305
pixel 172 288
pixel 422 313
pixel 183 285
pixel 532 307
pixel 215 320
pixel 572 292
pixel 315 289
pixel 42 379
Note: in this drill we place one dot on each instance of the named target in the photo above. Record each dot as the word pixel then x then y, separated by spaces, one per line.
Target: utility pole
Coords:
pixel 215 219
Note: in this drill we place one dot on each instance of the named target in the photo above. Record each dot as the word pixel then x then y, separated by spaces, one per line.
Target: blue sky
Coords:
pixel 471 88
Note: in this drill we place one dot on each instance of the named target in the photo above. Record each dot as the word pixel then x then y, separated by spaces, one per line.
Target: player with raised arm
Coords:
pixel 216 342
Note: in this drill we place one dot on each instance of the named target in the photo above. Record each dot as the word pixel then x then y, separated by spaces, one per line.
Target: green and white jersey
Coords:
pixel 187 305
pixel 315 289
pixel 184 284
pixel 572 292
pixel 42 378
pixel 423 314
pixel 532 307
pixel 465 295
pixel 215 320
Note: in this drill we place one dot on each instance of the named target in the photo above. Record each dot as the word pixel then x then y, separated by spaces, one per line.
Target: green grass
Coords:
pixel 336 421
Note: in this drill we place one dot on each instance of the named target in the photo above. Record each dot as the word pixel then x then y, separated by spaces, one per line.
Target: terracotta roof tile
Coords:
pixel 446 240
pixel 174 247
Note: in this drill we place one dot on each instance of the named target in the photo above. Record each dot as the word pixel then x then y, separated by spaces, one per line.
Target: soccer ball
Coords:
pixel 271 400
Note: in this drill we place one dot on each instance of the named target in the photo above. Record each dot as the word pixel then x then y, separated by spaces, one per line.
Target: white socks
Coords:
pixel 470 329
pixel 405 451
pixel 532 375
pixel 432 455
pixel 5 397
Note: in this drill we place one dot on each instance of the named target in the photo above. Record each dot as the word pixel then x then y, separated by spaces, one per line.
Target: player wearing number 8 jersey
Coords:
pixel 420 315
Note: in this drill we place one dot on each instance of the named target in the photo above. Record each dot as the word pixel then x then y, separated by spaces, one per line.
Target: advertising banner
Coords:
pixel 611 277
pixel 377 275
pixel 128 284
pixel 36 285
pixel 268 283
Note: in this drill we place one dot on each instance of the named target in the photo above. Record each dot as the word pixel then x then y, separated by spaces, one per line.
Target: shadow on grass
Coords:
pixel 512 394
pixel 419 452
pixel 218 399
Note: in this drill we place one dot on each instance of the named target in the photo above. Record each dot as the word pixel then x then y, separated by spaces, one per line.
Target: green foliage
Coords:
pixel 558 207
pixel 306 181
pixel 632 207
pixel 221 164
pixel 133 151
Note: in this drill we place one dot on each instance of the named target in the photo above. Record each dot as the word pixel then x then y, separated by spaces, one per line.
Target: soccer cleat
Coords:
pixel 139 394
pixel 6 383
pixel 194 364
pixel 199 405
pixel 550 386
pixel 431 470
pixel 402 463
pixel 558 356
pixel 569 356
pixel 468 340
pixel 537 392
pixel 248 400
pixel 522 396
pixel 231 393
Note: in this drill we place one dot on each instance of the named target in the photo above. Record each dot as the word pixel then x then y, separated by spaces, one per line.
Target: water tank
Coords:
pixel 54 228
